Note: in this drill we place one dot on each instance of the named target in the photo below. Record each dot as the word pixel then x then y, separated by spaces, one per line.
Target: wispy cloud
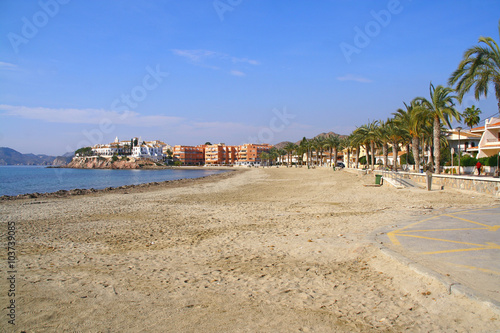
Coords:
pixel 7 66
pixel 214 60
pixel 87 116
pixel 355 78
pixel 237 73
pixel 202 55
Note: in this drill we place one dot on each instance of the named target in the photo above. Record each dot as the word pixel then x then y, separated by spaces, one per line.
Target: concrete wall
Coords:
pixel 485 185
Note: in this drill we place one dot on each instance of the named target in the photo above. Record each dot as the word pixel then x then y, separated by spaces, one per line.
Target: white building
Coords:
pixel 490 138
pixel 141 149
pixel 467 140
pixel 149 149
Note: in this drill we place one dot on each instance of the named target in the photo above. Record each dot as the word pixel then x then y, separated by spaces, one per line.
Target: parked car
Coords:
pixel 340 165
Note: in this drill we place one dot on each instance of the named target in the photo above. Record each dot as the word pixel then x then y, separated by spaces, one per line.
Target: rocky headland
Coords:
pixel 96 162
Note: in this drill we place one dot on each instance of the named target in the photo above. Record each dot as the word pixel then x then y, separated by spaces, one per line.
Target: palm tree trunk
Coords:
pixel 372 150
pixel 407 153
pixel 414 147
pixel 437 144
pixel 357 157
pixel 348 157
pixel 395 155
pixel 335 155
pixel 385 149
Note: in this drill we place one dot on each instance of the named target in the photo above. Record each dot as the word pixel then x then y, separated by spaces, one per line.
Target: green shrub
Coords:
pixel 467 160
pixel 489 161
pixel 114 158
pixel 177 163
pixel 411 160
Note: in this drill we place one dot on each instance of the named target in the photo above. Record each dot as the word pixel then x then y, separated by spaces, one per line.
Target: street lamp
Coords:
pixel 459 129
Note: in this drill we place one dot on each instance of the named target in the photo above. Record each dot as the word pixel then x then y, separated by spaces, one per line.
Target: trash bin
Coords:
pixel 378 179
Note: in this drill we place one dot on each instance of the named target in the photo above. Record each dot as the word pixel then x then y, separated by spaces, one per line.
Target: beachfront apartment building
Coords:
pixel 489 144
pixel 220 154
pixel 190 155
pixel 462 141
pixel 250 153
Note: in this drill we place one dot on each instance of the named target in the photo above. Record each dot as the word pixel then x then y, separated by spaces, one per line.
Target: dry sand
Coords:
pixel 266 250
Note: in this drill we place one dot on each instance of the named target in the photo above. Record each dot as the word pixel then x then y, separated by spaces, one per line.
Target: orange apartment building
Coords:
pixel 190 155
pixel 249 154
pixel 220 154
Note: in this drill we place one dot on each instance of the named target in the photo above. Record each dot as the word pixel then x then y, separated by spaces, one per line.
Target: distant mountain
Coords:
pixel 322 135
pixel 10 156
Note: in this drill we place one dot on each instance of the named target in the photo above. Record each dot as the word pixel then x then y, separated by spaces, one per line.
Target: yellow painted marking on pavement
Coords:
pixel 457 250
pixel 415 223
pixel 392 234
pixel 488 246
pixel 427 230
pixel 440 240
pixel 484 270
pixel 392 237
pixel 460 218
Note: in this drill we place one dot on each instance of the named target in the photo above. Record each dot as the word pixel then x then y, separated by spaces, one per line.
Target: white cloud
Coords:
pixel 7 66
pixel 355 78
pixel 236 73
pixel 87 116
pixel 194 55
pixel 206 58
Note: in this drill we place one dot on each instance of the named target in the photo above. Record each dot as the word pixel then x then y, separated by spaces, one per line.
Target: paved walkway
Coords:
pixel 462 246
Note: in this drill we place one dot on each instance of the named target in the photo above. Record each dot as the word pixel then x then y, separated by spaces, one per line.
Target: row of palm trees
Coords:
pixel 421 122
pixel 314 151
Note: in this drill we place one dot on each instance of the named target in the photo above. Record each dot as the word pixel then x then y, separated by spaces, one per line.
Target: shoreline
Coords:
pixel 118 189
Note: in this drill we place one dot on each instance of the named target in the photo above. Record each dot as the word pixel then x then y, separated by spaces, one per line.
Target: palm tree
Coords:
pixel 383 136
pixel 347 144
pixel 318 144
pixel 265 156
pixel 479 68
pixel 412 119
pixel 440 107
pixel 273 154
pixel 281 153
pixel 290 148
pixel 332 143
pixel 367 136
pixel 306 145
pixel 357 139
pixel 471 116
pixel 395 134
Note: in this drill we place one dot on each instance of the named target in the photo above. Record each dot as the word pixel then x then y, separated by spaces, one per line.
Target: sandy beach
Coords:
pixel 261 250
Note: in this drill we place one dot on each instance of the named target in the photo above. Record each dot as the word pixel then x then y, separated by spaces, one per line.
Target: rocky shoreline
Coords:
pixel 97 162
pixel 125 189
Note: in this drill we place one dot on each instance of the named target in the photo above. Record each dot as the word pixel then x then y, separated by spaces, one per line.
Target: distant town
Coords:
pixel 156 150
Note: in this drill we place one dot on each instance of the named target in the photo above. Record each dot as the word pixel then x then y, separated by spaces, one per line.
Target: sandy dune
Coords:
pixel 265 250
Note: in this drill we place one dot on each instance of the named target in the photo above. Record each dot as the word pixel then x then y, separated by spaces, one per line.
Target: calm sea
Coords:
pixel 16 180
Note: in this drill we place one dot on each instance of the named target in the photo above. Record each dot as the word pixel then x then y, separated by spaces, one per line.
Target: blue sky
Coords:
pixel 76 73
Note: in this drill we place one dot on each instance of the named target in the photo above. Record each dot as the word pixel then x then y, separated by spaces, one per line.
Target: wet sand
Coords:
pixel 265 250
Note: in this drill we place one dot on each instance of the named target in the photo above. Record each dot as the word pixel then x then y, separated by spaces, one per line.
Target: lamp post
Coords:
pixel 459 129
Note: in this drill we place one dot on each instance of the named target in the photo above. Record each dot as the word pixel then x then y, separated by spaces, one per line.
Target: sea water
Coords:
pixel 16 180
